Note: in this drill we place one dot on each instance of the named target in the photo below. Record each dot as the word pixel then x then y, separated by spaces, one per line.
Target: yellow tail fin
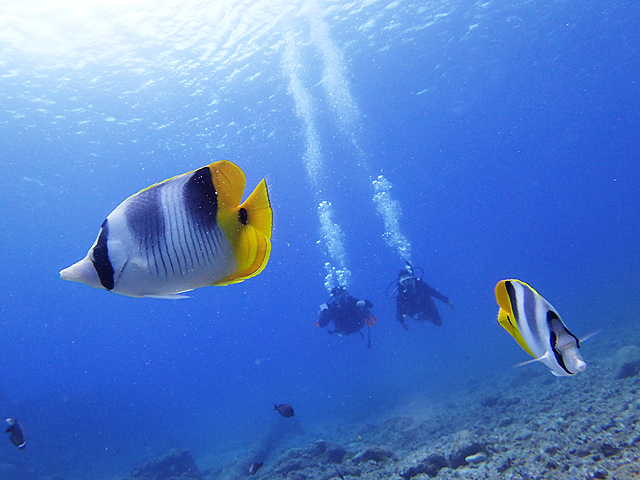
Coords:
pixel 259 211
pixel 253 245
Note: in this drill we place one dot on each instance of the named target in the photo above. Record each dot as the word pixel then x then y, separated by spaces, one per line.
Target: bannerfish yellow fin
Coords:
pixel 506 317
pixel 248 225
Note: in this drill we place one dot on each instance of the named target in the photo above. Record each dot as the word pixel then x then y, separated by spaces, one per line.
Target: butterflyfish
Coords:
pixel 537 327
pixel 189 231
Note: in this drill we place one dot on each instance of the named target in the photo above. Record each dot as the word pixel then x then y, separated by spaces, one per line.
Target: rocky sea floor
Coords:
pixel 524 424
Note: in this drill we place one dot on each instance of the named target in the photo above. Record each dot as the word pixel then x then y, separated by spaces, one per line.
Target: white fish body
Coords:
pixel 537 327
pixel 187 232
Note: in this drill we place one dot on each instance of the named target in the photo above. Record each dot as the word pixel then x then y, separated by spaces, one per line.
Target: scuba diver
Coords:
pixel 414 298
pixel 347 314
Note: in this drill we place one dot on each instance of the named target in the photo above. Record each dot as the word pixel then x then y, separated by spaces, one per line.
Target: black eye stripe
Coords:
pixel 101 261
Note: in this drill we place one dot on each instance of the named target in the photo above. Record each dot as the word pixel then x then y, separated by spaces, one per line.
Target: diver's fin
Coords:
pixel 370 320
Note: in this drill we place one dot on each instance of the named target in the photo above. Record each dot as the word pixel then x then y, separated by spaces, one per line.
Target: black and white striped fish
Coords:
pixel 538 328
pixel 187 232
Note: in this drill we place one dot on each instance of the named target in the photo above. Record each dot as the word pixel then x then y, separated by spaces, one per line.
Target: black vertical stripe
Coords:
pixel 551 317
pixel 101 261
pixel 511 291
pixel 199 217
pixel 201 198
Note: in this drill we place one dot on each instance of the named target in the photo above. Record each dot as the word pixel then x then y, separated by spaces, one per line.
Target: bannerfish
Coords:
pixel 285 410
pixel 538 328
pixel 186 232
pixel 16 436
pixel 253 468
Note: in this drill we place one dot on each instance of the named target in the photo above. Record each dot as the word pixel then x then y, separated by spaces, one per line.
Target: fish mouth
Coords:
pixel 580 365
pixel 72 273
pixel 81 272
pixel 67 274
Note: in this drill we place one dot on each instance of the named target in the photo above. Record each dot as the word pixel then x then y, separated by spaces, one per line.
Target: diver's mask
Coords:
pixel 407 281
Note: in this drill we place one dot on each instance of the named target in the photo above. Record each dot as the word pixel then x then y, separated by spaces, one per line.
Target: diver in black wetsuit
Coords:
pixel 347 314
pixel 414 299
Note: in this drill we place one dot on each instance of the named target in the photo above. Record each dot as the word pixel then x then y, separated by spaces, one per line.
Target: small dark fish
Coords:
pixel 285 410
pixel 254 467
pixel 339 473
pixel 17 436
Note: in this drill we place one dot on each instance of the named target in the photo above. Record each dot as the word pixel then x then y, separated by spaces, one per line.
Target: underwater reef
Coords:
pixel 521 423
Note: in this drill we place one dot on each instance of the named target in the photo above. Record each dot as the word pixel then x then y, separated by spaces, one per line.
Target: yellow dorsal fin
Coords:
pixel 506 318
pixel 229 182
pixel 251 240
pixel 502 297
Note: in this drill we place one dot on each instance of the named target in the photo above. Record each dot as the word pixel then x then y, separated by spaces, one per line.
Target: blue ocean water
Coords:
pixel 508 134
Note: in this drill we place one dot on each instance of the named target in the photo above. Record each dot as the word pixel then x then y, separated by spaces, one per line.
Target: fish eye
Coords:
pixel 243 216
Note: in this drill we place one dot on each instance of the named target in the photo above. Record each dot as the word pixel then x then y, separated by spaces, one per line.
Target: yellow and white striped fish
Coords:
pixel 538 328
pixel 187 232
